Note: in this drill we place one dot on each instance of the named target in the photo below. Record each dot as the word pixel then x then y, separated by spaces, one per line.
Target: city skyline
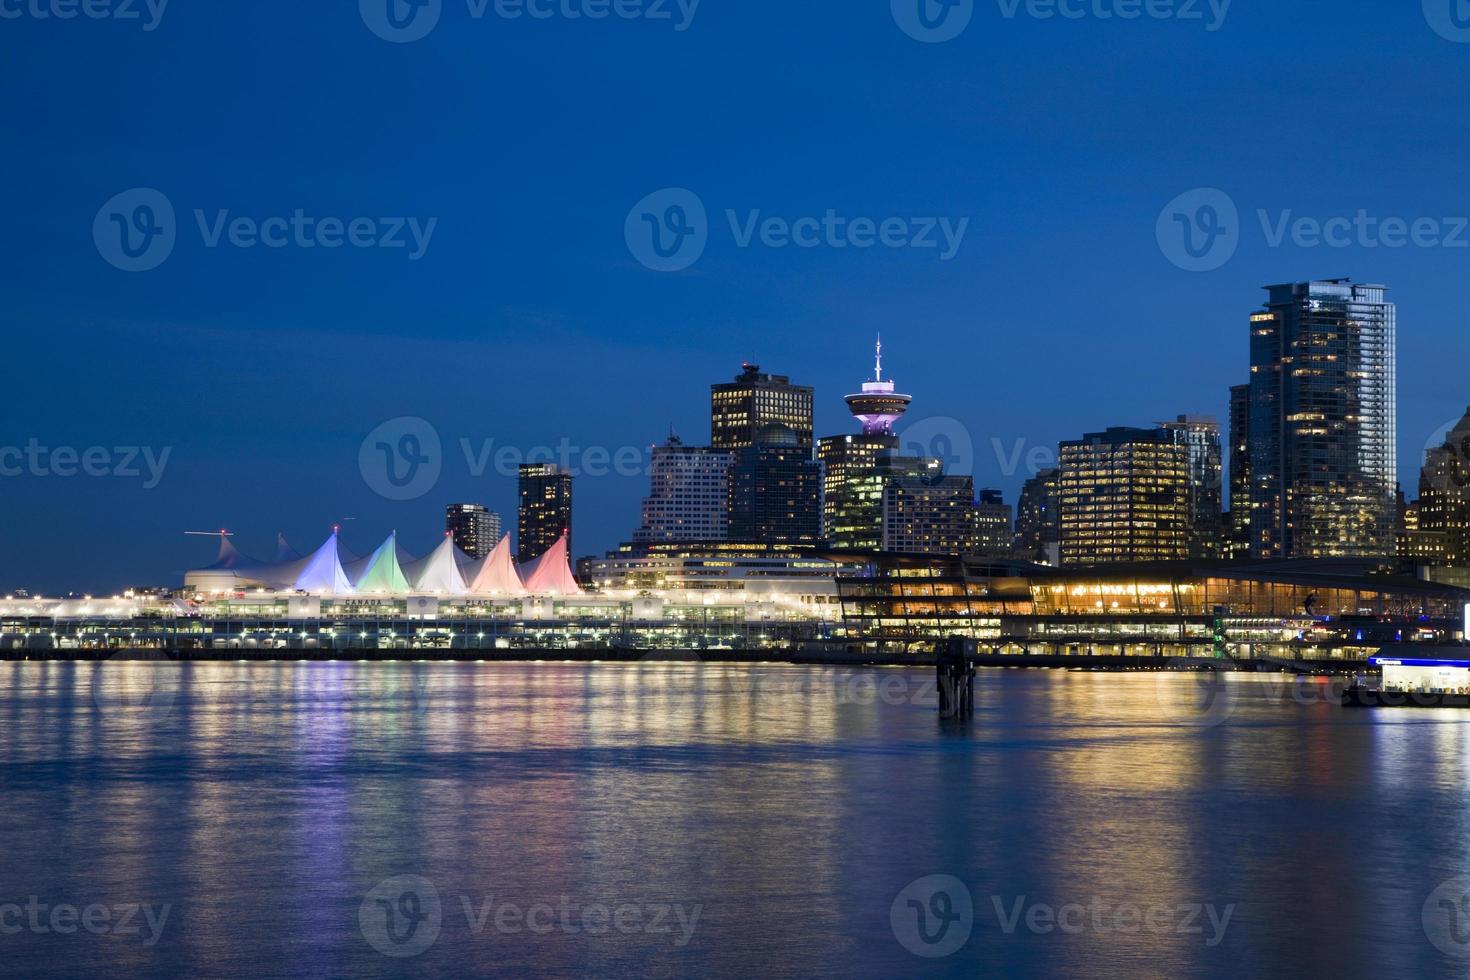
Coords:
pixel 1015 461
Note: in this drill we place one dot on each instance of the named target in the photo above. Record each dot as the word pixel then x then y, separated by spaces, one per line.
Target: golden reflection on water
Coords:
pixel 792 804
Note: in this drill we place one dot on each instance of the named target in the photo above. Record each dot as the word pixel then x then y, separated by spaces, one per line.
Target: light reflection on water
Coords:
pixel 789 806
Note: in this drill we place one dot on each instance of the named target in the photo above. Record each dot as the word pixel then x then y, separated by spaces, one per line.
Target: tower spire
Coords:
pixel 878 368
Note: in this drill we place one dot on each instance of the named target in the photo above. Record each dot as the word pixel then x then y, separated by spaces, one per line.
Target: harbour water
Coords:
pixel 458 820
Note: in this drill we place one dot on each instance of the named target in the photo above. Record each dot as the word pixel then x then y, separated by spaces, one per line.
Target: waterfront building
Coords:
pixel 775 490
pixel 924 510
pixel 993 536
pixel 1323 423
pixel 689 494
pixel 545 512
pixel 1124 496
pixel 1238 521
pixel 1200 436
pixel 474 528
pixel 1444 497
pixel 742 409
pixel 1038 519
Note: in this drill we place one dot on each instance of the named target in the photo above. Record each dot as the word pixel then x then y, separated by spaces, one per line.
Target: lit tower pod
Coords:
pixel 853 477
pixel 878 405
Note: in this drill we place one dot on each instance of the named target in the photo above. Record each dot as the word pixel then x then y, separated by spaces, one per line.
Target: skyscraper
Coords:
pixel 993 536
pixel 688 495
pixel 475 529
pixel 741 409
pixel 775 490
pixel 1323 422
pixel 1238 524
pixel 1200 436
pixel 1444 496
pixel 1038 519
pixel 926 512
pixel 852 484
pixel 1124 496
pixel 545 509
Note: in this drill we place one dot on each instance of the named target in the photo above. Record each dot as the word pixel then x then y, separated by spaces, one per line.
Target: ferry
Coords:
pixel 1436 677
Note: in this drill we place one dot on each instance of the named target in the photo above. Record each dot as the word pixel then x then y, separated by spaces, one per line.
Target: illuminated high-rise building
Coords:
pixel 545 509
pixel 1323 423
pixel 1200 436
pixel 1444 500
pixel 1039 520
pixel 741 409
pixel 474 528
pixel 1238 521
pixel 775 490
pixel 852 481
pixel 1124 496
pixel 993 536
pixel 688 494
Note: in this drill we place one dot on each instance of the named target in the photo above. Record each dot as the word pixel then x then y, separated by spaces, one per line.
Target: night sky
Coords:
pixel 528 319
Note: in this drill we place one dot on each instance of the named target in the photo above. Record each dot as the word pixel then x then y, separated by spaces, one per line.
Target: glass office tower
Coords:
pixel 1323 422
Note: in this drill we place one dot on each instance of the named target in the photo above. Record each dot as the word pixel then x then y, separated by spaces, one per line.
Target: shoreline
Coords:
pixel 1110 663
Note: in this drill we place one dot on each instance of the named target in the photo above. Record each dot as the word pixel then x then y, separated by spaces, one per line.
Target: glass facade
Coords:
pixel 1124 496
pixel 545 509
pixel 739 410
pixel 1323 422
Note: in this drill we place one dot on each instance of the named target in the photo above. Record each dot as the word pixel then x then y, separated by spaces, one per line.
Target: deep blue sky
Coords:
pixel 529 321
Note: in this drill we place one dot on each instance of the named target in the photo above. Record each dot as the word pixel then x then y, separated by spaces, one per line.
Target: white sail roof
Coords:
pixel 322 571
pixel 497 573
pixel 439 572
pixel 551 574
pixel 382 571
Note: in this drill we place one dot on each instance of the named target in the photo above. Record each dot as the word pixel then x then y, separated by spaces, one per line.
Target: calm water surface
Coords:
pixel 458 820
